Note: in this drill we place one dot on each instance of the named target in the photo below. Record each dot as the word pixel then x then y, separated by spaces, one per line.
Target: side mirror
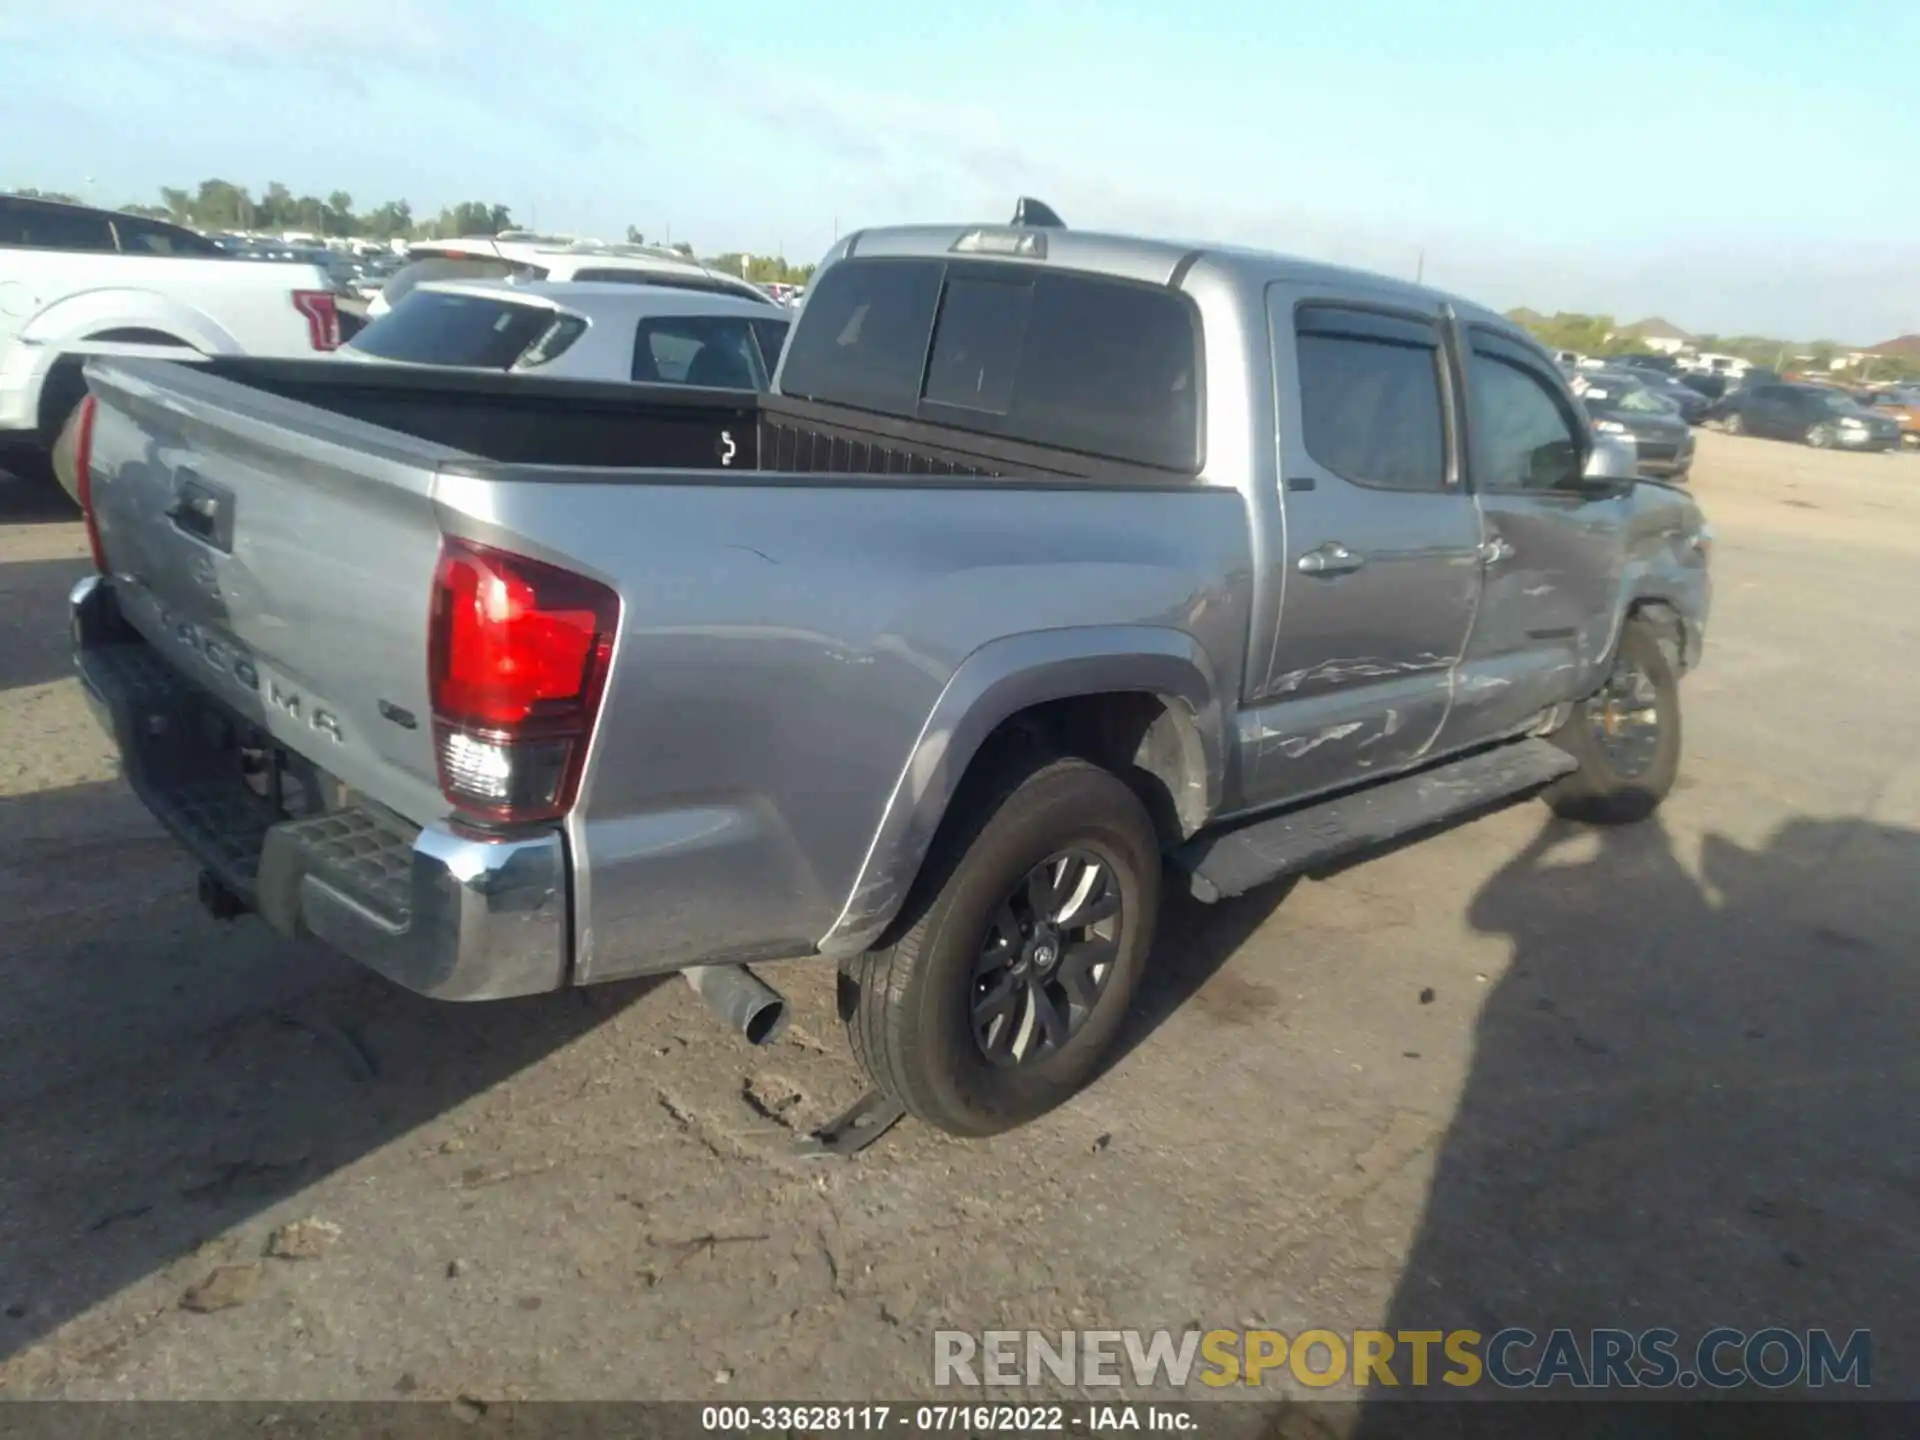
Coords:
pixel 1612 462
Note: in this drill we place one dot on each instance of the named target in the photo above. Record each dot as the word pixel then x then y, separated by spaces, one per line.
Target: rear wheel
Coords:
pixel 1025 942
pixel 65 388
pixel 1626 738
pixel 1734 424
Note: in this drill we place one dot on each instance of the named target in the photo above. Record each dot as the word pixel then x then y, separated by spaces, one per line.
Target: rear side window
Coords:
pixel 1067 360
pixel 433 327
pixel 147 237
pixel 703 350
pixel 454 267
pixel 1370 399
pixel 52 227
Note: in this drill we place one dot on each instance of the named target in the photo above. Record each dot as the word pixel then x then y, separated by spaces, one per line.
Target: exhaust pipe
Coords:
pixel 746 1003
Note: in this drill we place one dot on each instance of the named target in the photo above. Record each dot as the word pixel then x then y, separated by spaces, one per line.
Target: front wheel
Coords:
pixel 1025 941
pixel 1820 436
pixel 1626 738
pixel 1734 424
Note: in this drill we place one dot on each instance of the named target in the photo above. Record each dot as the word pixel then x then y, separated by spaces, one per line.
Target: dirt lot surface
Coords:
pixel 1519 1074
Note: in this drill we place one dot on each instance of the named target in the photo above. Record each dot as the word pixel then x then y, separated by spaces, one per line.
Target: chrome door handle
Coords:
pixel 1332 558
pixel 1495 549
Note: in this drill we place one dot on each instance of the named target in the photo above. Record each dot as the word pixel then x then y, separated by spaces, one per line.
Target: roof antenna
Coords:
pixel 1029 211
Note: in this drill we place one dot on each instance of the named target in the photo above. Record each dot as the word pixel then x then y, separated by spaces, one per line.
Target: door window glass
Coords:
pixel 1370 399
pixel 1523 437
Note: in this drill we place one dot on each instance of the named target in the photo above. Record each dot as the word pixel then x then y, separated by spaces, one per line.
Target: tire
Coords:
pixel 1733 424
pixel 910 1008
pixel 1820 436
pixel 1604 791
pixel 60 395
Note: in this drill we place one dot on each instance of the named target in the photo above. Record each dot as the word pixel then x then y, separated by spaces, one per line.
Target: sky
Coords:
pixel 1735 166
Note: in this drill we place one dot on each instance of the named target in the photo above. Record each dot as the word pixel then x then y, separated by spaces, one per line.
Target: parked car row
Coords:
pixel 1623 403
pixel 1820 415
pixel 523 260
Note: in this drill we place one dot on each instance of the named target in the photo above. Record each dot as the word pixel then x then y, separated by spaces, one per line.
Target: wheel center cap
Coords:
pixel 1044 955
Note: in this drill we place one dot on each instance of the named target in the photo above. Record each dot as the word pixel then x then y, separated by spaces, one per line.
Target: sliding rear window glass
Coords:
pixel 1072 361
pixel 433 327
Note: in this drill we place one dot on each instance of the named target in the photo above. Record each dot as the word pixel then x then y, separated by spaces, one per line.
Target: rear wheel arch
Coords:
pixel 1138 701
pixel 65 385
pixel 1668 627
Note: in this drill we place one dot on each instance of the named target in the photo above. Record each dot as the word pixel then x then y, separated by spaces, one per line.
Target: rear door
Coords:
pixel 1380 570
pixel 1552 548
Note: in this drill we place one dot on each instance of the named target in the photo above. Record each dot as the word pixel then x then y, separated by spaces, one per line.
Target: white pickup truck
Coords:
pixel 77 282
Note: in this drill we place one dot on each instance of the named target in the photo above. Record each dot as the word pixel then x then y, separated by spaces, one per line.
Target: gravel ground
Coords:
pixel 1518 1074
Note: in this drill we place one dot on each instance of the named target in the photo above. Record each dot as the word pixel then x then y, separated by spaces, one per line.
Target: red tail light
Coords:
pixel 83 477
pixel 322 310
pixel 517 661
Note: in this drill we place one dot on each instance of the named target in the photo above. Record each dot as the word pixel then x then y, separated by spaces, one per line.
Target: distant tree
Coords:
pixel 391 220
pixel 179 204
pixel 29 193
pixel 634 237
pixel 472 217
pixel 683 247
pixel 220 204
pixel 277 209
pixel 1588 334
pixel 149 212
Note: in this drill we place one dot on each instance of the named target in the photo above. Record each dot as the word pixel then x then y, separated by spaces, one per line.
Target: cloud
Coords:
pixel 267 29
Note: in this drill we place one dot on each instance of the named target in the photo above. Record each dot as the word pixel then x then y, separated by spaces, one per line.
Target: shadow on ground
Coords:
pixel 1194 942
pixel 162 1077
pixel 33 604
pixel 26 501
pixel 1691 1104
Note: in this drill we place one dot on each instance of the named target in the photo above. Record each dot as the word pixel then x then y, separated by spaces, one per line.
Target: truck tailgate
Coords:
pixel 281 555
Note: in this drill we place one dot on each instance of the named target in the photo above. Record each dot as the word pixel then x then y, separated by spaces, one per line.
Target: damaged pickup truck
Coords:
pixel 1055 564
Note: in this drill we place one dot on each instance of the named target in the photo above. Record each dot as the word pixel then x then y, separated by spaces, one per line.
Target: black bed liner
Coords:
pixel 531 420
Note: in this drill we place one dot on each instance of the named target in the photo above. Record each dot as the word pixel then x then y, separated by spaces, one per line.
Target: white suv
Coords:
pixel 651 334
pixel 519 257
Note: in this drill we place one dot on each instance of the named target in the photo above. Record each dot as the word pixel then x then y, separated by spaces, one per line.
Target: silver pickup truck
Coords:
pixel 1055 564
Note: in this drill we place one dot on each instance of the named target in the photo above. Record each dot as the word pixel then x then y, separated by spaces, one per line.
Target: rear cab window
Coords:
pixel 439 327
pixel 1073 361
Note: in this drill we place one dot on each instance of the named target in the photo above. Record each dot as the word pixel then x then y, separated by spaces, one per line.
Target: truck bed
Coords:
pixel 527 420
pixel 520 419
pixel 271 532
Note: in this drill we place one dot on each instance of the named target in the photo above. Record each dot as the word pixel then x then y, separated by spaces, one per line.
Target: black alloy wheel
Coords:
pixel 1046 959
